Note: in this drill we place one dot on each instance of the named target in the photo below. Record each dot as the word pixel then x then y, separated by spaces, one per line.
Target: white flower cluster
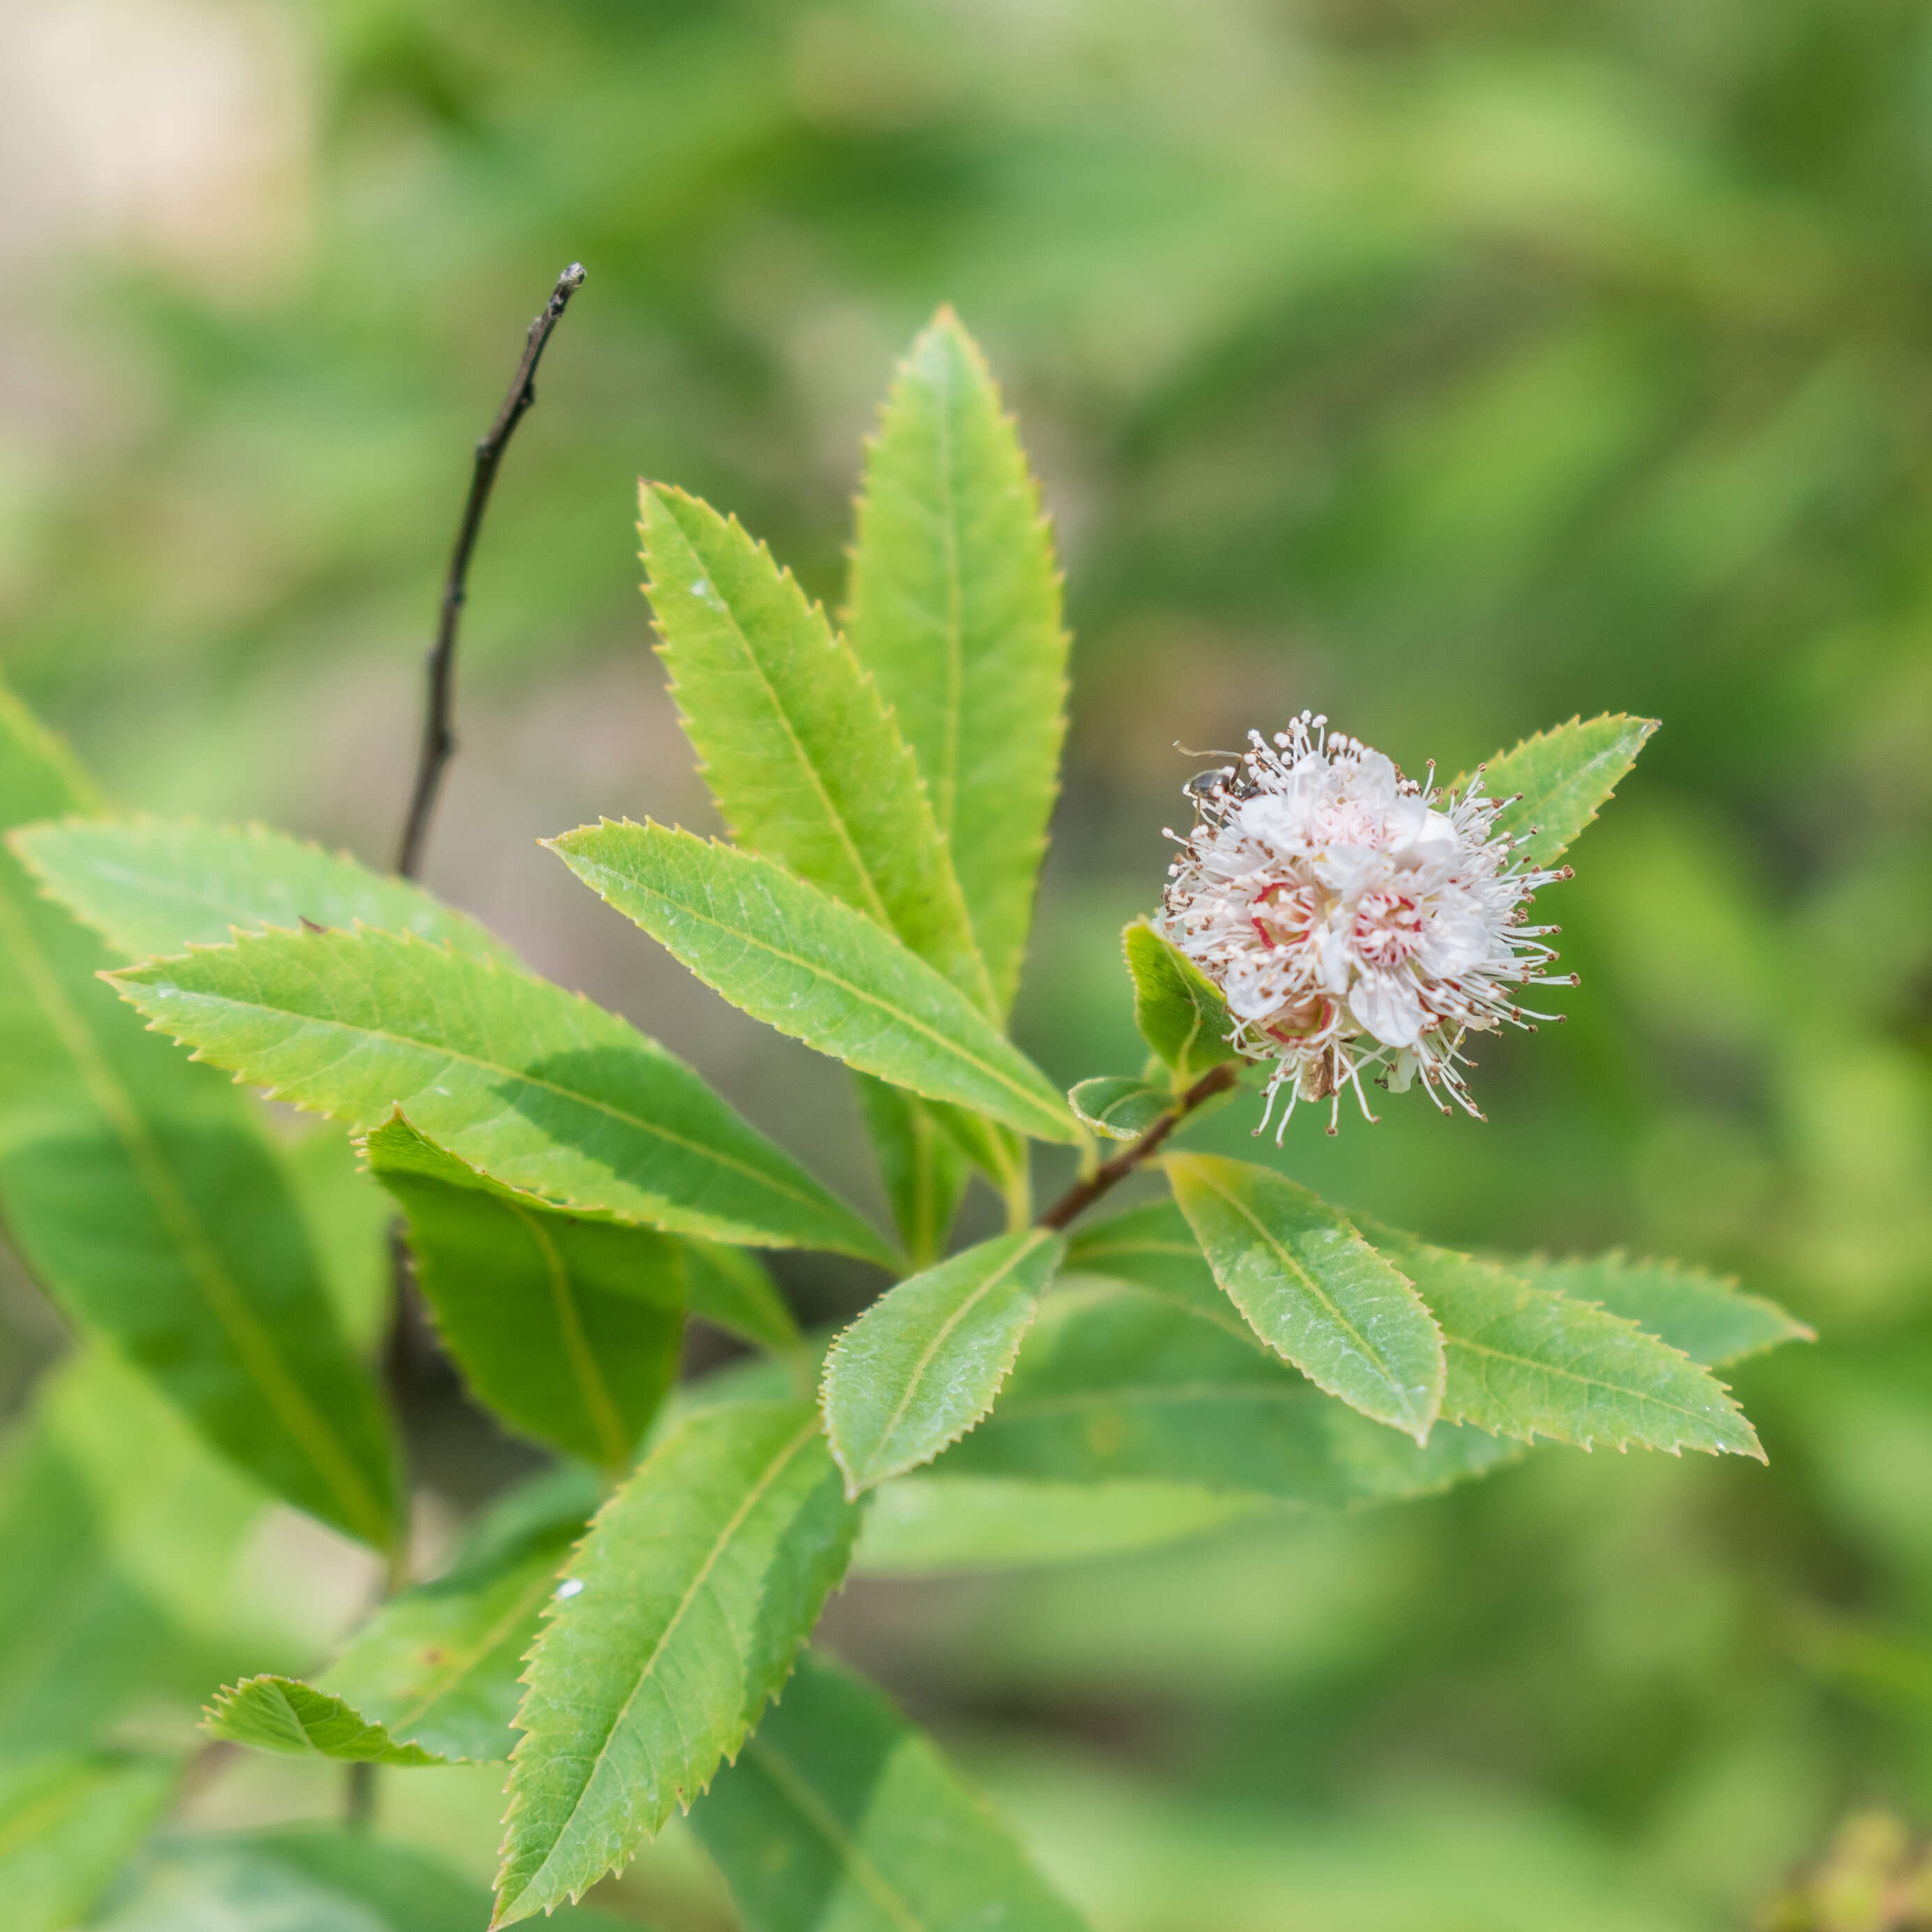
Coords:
pixel 1355 921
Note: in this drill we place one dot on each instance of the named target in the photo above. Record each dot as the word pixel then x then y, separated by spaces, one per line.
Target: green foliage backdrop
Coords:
pixel 1449 370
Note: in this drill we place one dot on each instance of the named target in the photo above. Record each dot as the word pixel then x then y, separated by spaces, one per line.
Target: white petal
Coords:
pixel 1385 1005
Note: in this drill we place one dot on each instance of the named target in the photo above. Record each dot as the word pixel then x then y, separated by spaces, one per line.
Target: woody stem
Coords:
pixel 1109 1175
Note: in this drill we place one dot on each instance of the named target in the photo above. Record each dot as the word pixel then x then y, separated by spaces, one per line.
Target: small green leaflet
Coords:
pixel 923 1363
pixel 1525 1361
pixel 924 1175
pixel 152 886
pixel 1313 1289
pixel 568 1328
pixel 1180 1015
pixel 68 1822
pixel 1566 775
pixel 280 1714
pixel 1115 1385
pixel 955 610
pixel 677 1622
pixel 796 958
pixel 839 1814
pixel 307 1878
pixel 531 1085
pixel 440 1666
pixel 804 760
pixel 1712 1320
pixel 146 1198
pixel 1117 1107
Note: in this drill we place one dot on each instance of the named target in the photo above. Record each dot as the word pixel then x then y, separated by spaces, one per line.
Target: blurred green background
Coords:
pixel 1449 366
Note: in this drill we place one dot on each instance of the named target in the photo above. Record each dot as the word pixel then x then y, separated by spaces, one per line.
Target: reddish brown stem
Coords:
pixel 1082 1194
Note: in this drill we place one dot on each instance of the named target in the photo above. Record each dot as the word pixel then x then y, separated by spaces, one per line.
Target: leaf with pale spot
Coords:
pixel 677 1622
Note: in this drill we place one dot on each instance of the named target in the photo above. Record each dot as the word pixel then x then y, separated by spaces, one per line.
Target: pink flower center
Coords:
pixel 1388 928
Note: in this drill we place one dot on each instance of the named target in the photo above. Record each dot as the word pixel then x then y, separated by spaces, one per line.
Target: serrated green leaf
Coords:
pixel 1313 1290
pixel 533 1086
pixel 955 610
pixel 308 1878
pixel 1525 1361
pixel 153 886
pixel 923 1363
pixel 440 1666
pixel 1712 1320
pixel 282 1714
pixel 924 1174
pixel 1114 1384
pixel 677 1621
pixel 67 1824
pixel 734 1292
pixel 796 958
pixel 123 1533
pixel 839 1814
pixel 1118 1106
pixel 144 1196
pixel 568 1328
pixel 1566 775
pixel 1181 1015
pixel 797 746
pixel 938 1524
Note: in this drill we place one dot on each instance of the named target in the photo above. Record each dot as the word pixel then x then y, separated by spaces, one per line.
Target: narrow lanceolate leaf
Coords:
pixel 68 1823
pixel 924 1174
pixel 1525 1361
pixel 677 1622
pixel 955 609
pixel 840 1814
pixel 1181 1015
pixel 1117 1106
pixel 1114 1385
pixel 733 1290
pixel 806 763
pixel 1566 775
pixel 533 1086
pixel 794 957
pixel 144 1196
pixel 440 1666
pixel 1313 1290
pixel 923 1363
pixel 1712 1320
pixel 280 1714
pixel 568 1328
pixel 155 886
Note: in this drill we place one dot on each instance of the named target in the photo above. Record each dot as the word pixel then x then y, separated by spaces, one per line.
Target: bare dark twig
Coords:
pixel 1082 1194
pixel 439 738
